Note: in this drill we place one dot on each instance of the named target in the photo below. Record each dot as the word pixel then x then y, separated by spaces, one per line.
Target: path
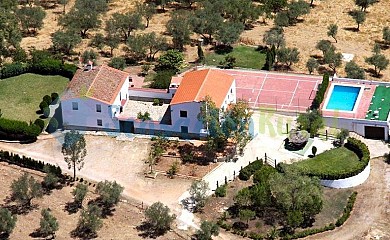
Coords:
pixel 369 218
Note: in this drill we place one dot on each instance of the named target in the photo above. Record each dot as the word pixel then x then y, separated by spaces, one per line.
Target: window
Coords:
pixel 99 122
pixel 75 105
pixel 98 108
pixel 231 90
pixel 183 114
pixel 184 129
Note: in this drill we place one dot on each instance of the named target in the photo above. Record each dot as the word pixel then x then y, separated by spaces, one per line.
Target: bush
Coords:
pixel 162 79
pixel 54 96
pixel 221 191
pixel 47 99
pixel 117 63
pixel 43 105
pixel 347 210
pixel 30 163
pixel 40 123
pixel 262 175
pixel 18 130
pixel 156 102
pixel 53 125
pixel 13 69
pixel 249 170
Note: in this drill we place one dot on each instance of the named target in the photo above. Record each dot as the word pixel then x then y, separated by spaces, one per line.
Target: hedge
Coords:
pixel 18 130
pixel 30 163
pixel 39 122
pixel 319 98
pixel 13 69
pixel 347 210
pixel 249 170
pixel 52 126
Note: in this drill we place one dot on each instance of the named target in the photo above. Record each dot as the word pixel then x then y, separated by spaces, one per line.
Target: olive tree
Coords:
pixel 158 218
pixel 74 150
pixel 7 222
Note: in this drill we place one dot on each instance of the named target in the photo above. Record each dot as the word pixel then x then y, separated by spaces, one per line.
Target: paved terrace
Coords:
pixel 132 108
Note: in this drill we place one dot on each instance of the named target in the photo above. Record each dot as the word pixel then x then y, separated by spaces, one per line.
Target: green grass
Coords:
pixel 20 96
pixel 246 57
pixel 382 107
pixel 332 161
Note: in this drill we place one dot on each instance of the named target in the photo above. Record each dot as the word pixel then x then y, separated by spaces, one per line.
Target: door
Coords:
pixel 126 126
pixel 374 132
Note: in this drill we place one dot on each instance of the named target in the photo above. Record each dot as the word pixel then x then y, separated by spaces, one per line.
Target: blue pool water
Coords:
pixel 343 98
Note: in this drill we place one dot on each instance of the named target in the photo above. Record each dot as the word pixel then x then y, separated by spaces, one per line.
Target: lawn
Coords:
pixel 20 96
pixel 246 57
pixel 336 160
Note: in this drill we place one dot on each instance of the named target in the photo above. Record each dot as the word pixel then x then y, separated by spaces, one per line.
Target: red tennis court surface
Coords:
pixel 275 91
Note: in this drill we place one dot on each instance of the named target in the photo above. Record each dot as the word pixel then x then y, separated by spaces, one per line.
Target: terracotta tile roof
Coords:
pixel 198 84
pixel 102 83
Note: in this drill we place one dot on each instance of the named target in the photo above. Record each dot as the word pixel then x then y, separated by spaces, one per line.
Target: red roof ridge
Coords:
pixel 201 86
pixel 94 79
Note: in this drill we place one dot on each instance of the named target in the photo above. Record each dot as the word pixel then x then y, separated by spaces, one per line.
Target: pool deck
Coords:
pixel 362 108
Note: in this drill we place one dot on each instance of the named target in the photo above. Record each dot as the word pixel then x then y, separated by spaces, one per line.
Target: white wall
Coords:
pixel 123 94
pixel 349 182
pixel 86 115
pixel 191 121
pixel 139 92
pixel 230 97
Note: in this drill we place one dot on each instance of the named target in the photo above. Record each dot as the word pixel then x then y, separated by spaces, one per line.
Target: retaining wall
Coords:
pixel 349 182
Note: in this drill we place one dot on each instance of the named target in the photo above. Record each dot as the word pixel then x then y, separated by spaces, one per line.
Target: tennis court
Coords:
pixel 275 91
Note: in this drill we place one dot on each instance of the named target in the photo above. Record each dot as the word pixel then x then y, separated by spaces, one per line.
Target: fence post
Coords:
pixel 287 127
pixel 265 156
pixel 217 185
pixel 225 180
pixel 234 175
pixel 275 163
pixel 326 134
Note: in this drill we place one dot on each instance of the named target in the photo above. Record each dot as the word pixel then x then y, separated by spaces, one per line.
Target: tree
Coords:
pixel 311 65
pixel 170 60
pixel 65 41
pixel 310 121
pixel 89 222
pixel 342 135
pixel 274 5
pixel 386 35
pixel 79 194
pixel 198 193
pixel 24 189
pixel 288 56
pixel 89 56
pixel 51 179
pixel 324 46
pixel 299 197
pixel 243 198
pixel 333 59
pixel 379 61
pixel 10 34
pixel 154 44
pixel 109 192
pixel 297 9
pixel 135 47
pixel 31 18
pixel 359 18
pixel 332 31
pixel 354 71
pixel 206 21
pixel 229 62
pixel 63 2
pixel 126 23
pixel 274 37
pixel 48 224
pixel 207 231
pixel 7 222
pixel 179 28
pixel 363 4
pixel 98 41
pixel 242 11
pixel 229 32
pixel 246 215
pixel 118 63
pixel 159 218
pixel 74 150
pixel 282 19
pixel 146 10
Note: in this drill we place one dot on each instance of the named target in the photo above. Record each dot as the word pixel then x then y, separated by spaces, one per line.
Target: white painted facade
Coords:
pixel 349 182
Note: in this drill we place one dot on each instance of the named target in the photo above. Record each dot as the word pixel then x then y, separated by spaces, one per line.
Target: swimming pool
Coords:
pixel 343 98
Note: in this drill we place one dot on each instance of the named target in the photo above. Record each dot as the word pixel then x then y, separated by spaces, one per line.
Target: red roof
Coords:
pixel 196 85
pixel 102 83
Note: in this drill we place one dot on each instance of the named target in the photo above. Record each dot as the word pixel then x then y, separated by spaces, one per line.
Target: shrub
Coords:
pixel 53 125
pixel 118 63
pixel 13 69
pixel 173 169
pixel 249 170
pixel 18 130
pixel 54 96
pixel 262 175
pixel 347 210
pixel 221 191
pixel 314 150
pixel 156 102
pixel 319 98
pixel 162 79
pixel 40 123
pixel 47 99
pixel 43 105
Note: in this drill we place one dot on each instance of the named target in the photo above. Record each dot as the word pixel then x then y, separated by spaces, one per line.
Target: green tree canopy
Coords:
pixel 288 56
pixel 126 23
pixel 89 222
pixel 146 11
pixel 310 121
pixel 229 32
pixel 386 35
pixel 359 18
pixel 7 222
pixel 206 21
pixel 170 60
pixel 31 18
pixel 354 71
pixel 179 27
pixel 159 218
pixel 333 59
pixel 25 188
pixel 109 192
pixel 364 4
pixel 48 223
pixel 332 31
pixel 324 46
pixel 199 193
pixel 274 36
pixel 74 150
pixel 311 65
pixel 379 61
pixel 65 41
pixel 118 63
pixel 207 231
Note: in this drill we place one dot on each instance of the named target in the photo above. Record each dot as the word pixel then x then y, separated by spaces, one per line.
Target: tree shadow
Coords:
pixel 82 233
pixel 38 234
pixel 372 73
pixel 351 29
pixel 107 211
pixel 188 204
pixel 148 231
pixel 322 70
pixel 21 209
pixel 71 207
pixel 222 49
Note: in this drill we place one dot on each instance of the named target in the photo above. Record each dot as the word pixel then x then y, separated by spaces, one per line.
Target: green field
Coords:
pixel 336 160
pixel 246 57
pixel 20 96
pixel 381 103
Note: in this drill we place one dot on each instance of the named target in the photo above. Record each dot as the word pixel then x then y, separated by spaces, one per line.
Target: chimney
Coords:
pixel 88 66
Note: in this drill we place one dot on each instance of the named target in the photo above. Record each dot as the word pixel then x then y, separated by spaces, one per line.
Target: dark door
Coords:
pixel 374 132
pixel 126 126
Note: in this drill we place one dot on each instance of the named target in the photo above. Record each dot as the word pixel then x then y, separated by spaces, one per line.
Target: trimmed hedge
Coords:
pixel 319 98
pixel 13 69
pixel 249 170
pixel 53 125
pixel 347 210
pixel 40 123
pixel 18 130
pixel 30 163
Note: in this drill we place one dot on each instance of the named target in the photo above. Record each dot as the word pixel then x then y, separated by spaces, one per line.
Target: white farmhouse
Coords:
pixel 94 98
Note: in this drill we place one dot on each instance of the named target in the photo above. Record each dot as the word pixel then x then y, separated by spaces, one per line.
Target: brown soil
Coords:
pixel 122 225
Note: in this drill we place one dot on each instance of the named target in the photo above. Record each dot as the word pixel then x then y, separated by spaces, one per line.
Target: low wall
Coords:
pixel 349 182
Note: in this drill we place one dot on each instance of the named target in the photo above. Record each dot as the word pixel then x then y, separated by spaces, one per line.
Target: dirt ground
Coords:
pixel 304 35
pixel 122 225
pixel 108 158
